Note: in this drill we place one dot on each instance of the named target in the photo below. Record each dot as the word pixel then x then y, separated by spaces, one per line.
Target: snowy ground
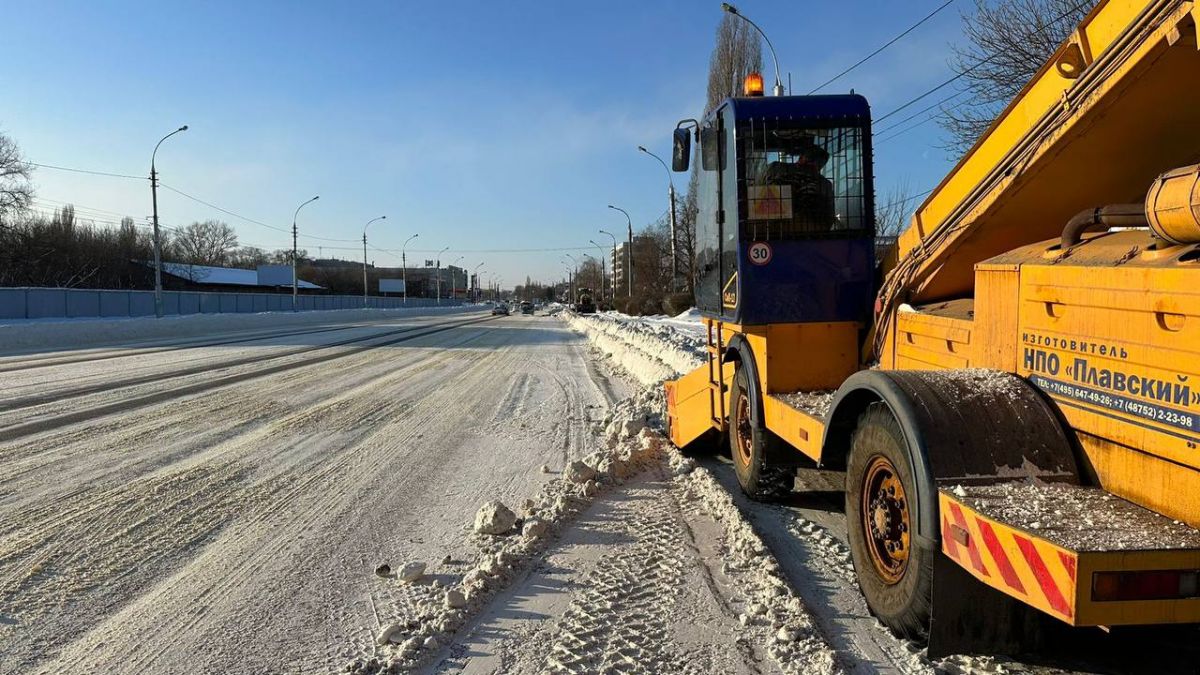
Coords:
pixel 163 519
pixel 224 504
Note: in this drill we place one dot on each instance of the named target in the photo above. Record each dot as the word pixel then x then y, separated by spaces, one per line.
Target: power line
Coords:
pixel 248 220
pixel 1049 24
pixel 901 202
pixel 922 122
pixel 877 132
pixel 94 173
pixel 889 43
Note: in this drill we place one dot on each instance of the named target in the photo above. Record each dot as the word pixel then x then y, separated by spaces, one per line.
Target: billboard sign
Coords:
pixel 391 285
pixel 275 275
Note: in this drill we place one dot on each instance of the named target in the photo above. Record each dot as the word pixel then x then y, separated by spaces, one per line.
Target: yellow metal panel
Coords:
pixel 927 341
pixel 689 408
pixel 1160 485
pixel 802 356
pixel 802 431
pixel 995 335
pixel 1118 348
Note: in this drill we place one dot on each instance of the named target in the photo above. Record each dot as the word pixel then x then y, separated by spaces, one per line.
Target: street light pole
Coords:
pixel 614 259
pixel 450 269
pixel 404 270
pixel 158 311
pixel 295 282
pixel 439 274
pixel 629 253
pixel 671 195
pixel 575 270
pixel 603 274
pixel 734 11
pixel 475 274
pixel 365 301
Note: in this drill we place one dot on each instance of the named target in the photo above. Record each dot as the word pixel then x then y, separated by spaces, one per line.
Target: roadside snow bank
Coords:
pixel 772 617
pixel 49 335
pixel 650 349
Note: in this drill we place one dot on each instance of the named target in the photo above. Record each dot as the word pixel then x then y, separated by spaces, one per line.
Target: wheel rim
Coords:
pixel 742 432
pixel 885 521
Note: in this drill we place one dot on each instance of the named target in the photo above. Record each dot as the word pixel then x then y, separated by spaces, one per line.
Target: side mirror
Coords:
pixel 682 150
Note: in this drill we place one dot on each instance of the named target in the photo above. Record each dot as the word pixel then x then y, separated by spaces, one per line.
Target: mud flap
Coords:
pixel 969 617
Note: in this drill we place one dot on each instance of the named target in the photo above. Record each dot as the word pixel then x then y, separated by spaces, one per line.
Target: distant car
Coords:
pixel 500 310
pixel 527 308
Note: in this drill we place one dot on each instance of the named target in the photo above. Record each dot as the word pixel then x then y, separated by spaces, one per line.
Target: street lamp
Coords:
pixel 570 285
pixel 404 270
pixel 574 266
pixel 734 11
pixel 439 274
pixel 475 276
pixel 157 240
pixel 614 259
pixel 574 278
pixel 450 268
pixel 629 253
pixel 603 274
pixel 671 195
pixel 365 257
pixel 295 282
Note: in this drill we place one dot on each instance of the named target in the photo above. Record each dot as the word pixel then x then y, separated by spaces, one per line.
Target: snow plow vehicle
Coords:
pixel 1013 391
pixel 585 304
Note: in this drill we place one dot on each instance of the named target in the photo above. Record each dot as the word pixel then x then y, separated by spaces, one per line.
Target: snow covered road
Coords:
pixel 222 509
pixel 219 502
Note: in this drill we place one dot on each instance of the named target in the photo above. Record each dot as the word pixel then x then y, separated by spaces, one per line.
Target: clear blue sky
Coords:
pixel 482 126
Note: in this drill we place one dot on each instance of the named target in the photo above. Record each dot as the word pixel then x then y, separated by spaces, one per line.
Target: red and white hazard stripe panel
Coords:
pixel 1025 567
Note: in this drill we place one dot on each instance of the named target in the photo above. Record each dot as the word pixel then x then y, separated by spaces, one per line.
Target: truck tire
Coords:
pixel 750 444
pixel 894 572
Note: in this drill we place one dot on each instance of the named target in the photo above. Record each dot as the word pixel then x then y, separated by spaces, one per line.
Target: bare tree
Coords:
pixel 205 243
pixel 894 209
pixel 1007 41
pixel 685 232
pixel 736 54
pixel 15 189
pixel 64 251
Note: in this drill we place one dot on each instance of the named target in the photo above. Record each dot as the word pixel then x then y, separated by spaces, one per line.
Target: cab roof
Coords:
pixel 824 107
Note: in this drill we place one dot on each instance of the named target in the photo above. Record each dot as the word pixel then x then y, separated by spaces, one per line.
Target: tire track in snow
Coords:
pixel 102 512
pixel 19 430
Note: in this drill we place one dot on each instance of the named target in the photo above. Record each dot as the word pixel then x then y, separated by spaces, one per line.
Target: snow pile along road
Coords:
pixel 651 349
pixel 671 560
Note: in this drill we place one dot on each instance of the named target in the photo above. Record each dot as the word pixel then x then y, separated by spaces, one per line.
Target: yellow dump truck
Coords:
pixel 1014 390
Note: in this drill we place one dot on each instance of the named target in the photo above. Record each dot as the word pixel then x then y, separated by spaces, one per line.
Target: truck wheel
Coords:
pixel 894 574
pixel 749 443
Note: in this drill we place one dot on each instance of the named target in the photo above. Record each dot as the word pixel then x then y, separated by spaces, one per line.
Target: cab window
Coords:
pixel 798 182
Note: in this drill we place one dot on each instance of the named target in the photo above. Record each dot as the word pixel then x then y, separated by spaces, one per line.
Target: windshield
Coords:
pixel 800 182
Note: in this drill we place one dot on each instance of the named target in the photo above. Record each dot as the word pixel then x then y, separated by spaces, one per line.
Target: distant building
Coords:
pixel 267 278
pixel 422 282
pixel 620 264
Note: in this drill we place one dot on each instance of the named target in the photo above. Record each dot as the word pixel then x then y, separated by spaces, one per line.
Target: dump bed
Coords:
pixel 1108 113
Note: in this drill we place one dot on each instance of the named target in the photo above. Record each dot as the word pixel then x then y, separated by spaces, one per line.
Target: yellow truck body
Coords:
pixel 1103 325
